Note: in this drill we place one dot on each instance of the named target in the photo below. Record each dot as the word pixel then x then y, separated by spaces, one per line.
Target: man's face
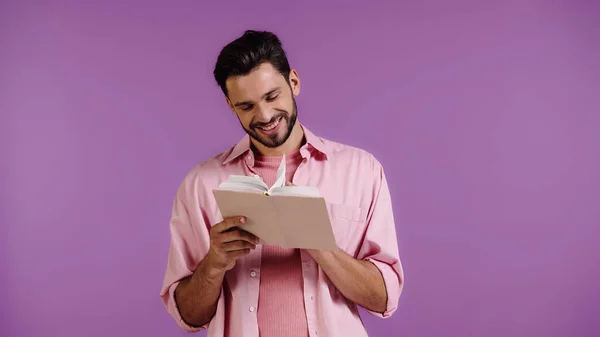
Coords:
pixel 265 104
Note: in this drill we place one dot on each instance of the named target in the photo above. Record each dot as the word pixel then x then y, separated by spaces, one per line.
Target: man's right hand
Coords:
pixel 197 294
pixel 228 243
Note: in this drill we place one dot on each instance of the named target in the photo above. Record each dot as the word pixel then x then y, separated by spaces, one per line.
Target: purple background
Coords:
pixel 485 117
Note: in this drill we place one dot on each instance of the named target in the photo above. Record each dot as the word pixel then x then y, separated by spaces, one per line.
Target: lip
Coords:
pixel 272 131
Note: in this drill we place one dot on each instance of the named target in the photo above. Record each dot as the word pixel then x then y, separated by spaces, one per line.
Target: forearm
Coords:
pixel 359 281
pixel 197 295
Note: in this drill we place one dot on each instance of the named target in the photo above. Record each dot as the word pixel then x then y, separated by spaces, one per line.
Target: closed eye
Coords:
pixel 272 98
pixel 247 107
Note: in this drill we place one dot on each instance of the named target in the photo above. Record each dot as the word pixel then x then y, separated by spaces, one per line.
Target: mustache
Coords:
pixel 273 119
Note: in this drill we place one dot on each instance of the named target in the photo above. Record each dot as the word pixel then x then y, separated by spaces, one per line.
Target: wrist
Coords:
pixel 213 270
pixel 320 255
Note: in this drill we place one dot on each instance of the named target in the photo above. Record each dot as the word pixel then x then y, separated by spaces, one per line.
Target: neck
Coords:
pixel 293 143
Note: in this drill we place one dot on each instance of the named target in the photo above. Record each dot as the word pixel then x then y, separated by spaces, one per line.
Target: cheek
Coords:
pixel 247 121
pixel 284 105
pixel 245 118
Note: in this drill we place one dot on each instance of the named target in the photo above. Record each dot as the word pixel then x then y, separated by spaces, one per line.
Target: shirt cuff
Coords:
pixel 174 311
pixel 393 286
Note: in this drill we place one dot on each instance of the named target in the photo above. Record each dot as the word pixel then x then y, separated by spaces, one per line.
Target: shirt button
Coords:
pixel 312 298
pixel 251 309
pixel 249 157
pixel 253 273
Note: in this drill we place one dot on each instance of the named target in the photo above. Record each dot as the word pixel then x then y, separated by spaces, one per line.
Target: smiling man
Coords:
pixel 219 278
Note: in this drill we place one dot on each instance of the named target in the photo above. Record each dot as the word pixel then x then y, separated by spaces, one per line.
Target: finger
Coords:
pixel 249 237
pixel 288 183
pixel 229 223
pixel 238 253
pixel 237 245
pixel 238 234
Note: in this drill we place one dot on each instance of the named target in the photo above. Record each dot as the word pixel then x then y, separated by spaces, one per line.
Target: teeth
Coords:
pixel 272 125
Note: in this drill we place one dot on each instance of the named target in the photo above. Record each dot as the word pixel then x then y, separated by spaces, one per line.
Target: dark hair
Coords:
pixel 248 52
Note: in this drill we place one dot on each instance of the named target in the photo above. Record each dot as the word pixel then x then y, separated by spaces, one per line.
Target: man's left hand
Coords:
pixel 358 280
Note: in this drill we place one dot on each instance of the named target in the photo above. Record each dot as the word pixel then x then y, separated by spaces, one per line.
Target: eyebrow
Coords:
pixel 272 91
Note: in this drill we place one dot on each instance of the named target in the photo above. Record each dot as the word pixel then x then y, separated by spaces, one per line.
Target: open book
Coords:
pixel 288 216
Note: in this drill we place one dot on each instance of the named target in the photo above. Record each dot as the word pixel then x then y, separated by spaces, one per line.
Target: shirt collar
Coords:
pixel 243 146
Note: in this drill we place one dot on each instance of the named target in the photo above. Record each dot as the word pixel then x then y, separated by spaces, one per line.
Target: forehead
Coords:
pixel 254 85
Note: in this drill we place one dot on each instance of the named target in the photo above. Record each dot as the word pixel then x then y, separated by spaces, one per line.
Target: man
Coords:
pixel 219 278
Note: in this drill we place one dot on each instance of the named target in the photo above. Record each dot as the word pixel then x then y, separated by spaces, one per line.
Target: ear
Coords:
pixel 294 82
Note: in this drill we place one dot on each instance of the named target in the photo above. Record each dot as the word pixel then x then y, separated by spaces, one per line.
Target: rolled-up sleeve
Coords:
pixel 380 244
pixel 189 244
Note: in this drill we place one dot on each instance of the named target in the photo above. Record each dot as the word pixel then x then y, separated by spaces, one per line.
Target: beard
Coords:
pixel 276 139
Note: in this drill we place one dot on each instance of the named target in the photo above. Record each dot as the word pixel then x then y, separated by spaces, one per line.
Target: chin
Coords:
pixel 272 141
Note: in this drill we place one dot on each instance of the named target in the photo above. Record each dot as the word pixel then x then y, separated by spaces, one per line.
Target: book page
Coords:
pixel 307 191
pixel 253 183
pixel 243 183
pixel 281 174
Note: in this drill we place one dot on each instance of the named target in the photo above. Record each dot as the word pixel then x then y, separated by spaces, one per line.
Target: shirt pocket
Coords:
pixel 348 224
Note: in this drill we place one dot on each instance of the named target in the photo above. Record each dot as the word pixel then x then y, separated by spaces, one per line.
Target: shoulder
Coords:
pixel 209 168
pixel 206 174
pixel 356 171
pixel 345 154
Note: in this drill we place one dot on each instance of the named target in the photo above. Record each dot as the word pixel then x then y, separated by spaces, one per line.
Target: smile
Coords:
pixel 271 126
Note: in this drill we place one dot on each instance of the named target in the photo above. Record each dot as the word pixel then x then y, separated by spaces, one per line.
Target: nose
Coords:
pixel 264 112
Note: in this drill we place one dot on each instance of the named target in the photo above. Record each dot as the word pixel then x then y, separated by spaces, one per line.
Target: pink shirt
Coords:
pixel 355 189
pixel 280 310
